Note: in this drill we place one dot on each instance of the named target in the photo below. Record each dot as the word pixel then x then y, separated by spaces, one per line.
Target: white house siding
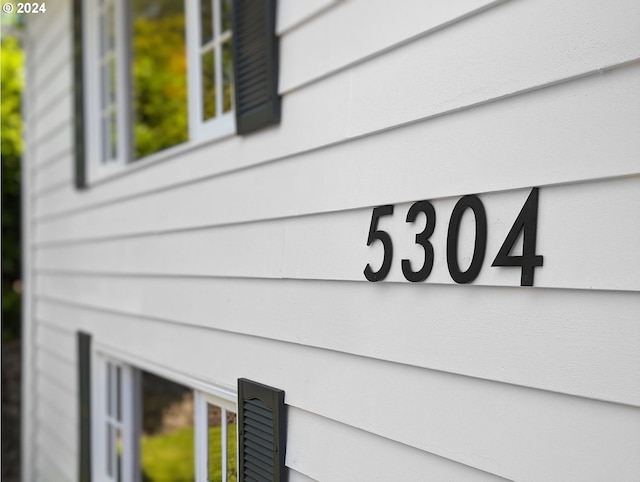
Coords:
pixel 244 257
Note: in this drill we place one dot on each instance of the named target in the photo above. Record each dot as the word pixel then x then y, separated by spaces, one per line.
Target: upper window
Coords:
pixel 154 91
pixel 161 73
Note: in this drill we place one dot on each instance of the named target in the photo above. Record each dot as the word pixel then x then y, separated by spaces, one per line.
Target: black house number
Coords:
pixel 526 222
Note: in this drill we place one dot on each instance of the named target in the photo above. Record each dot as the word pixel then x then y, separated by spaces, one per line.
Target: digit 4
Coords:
pixel 527 222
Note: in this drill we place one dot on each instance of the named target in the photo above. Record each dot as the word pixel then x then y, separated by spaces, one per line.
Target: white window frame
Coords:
pixel 96 167
pixel 129 424
pixel 224 122
pixel 204 393
pixel 201 412
pixel 200 132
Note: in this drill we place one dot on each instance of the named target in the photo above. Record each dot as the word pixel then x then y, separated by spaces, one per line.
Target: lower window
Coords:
pixel 153 429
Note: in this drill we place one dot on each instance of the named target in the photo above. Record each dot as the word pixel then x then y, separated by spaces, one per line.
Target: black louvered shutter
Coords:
pixel 263 432
pixel 84 404
pixel 255 62
pixel 78 96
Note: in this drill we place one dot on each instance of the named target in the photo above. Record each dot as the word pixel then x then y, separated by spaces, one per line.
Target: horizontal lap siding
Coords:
pixel 61 339
pixel 55 426
pixel 257 244
pixel 556 144
pixel 295 476
pixel 48 468
pixel 56 400
pixel 362 456
pixel 55 175
pixel 333 246
pixel 382 27
pixel 440 413
pixel 292 13
pixel 62 436
pixel 349 103
pixel 56 367
pixel 579 342
pixel 50 372
pixel 511 48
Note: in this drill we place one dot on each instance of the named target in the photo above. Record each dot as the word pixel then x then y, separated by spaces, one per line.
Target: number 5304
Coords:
pixel 526 222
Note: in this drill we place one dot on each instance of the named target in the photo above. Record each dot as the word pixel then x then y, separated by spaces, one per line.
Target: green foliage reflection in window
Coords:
pixel 159 76
pixel 169 457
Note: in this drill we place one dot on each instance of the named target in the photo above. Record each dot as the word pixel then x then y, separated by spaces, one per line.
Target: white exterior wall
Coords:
pixel 244 257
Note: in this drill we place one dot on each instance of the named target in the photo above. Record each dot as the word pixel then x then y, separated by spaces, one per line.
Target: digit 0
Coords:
pixel 473 203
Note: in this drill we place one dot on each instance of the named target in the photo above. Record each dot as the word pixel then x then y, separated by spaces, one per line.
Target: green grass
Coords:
pixel 170 457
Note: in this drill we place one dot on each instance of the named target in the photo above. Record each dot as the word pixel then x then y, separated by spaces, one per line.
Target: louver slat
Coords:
pixel 262 428
pixel 259 439
pixel 264 471
pixel 255 61
pixel 263 454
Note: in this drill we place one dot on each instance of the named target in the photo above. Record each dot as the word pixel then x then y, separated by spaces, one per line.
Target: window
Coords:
pixel 137 426
pixel 160 74
pixel 154 429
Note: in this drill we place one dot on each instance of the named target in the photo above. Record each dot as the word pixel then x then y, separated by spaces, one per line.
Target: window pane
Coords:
pixel 112 79
pixel 109 378
pixel 114 135
pixel 227 76
pixel 215 443
pixel 208 85
pixel 104 90
pixel 232 430
pixel 109 450
pixel 119 455
pixel 107 82
pixel 119 393
pixel 106 155
pixel 166 445
pixel 226 15
pixel 110 27
pixel 103 34
pixel 206 20
pixel 159 75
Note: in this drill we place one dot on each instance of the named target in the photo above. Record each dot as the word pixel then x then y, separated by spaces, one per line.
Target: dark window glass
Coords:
pixel 208 85
pixel 226 15
pixel 206 21
pixel 227 76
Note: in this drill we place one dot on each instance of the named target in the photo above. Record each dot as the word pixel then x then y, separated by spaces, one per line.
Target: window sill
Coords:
pixel 104 173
